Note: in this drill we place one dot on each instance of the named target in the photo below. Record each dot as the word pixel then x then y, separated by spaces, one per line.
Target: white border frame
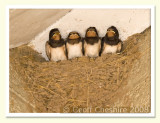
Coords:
pixel 152 114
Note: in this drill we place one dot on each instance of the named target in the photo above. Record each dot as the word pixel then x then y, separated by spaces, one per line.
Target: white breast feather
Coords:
pixel 74 50
pixel 92 50
pixel 57 54
pixel 110 49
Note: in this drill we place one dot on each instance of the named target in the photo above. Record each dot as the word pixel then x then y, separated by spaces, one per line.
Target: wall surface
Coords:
pixel 127 21
pixel 25 24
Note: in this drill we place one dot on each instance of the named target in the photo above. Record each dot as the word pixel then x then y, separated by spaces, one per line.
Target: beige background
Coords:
pixel 3 64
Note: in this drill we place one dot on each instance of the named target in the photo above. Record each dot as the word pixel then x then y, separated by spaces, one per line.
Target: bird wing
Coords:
pixel 48 50
pixel 83 46
pixel 65 48
pixel 65 51
pixel 120 46
pixel 102 46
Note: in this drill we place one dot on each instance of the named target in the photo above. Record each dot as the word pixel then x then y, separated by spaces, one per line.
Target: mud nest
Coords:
pixel 83 83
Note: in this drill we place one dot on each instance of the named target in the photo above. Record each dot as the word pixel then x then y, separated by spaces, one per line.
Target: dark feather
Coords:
pixel 112 40
pixel 83 46
pixel 102 44
pixel 73 41
pixel 56 43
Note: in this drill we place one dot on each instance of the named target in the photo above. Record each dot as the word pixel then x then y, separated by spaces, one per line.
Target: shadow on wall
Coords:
pixel 25 24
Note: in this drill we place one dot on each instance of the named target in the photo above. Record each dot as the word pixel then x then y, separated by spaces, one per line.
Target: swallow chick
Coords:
pixel 55 47
pixel 74 45
pixel 92 43
pixel 111 42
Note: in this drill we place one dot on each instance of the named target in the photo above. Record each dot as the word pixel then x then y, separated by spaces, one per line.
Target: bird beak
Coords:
pixel 111 31
pixel 57 33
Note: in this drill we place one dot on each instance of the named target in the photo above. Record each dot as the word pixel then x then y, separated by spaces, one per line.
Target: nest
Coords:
pixel 79 83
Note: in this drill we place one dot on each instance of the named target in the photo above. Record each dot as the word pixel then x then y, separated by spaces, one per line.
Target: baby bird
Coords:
pixel 111 42
pixel 74 45
pixel 92 43
pixel 55 47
